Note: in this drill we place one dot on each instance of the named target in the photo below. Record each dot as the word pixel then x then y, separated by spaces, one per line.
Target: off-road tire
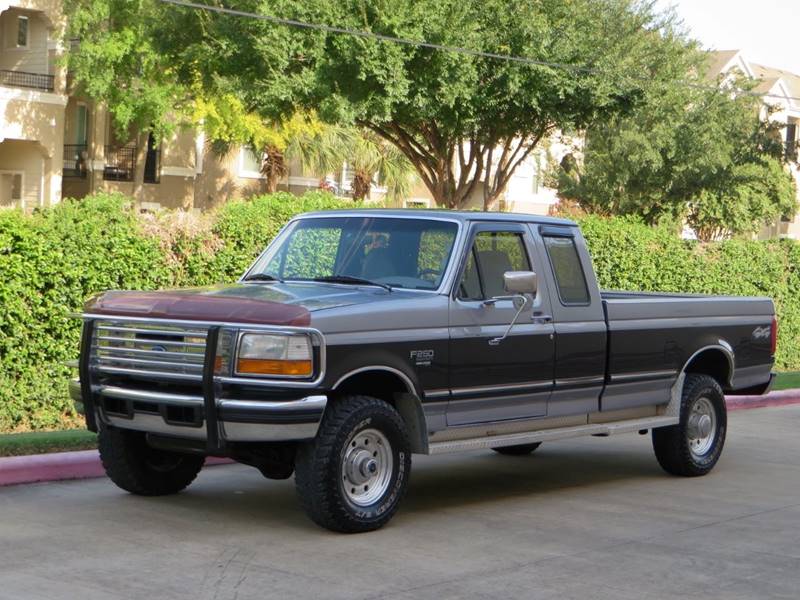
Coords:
pixel 139 469
pixel 518 450
pixel 319 470
pixel 671 444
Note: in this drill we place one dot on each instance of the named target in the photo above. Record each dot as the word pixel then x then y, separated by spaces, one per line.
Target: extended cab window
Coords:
pixel 567 268
pixel 492 254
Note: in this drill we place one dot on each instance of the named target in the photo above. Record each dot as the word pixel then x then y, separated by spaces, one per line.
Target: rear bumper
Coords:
pixel 184 415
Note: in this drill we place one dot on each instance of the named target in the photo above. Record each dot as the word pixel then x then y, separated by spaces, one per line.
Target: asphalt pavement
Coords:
pixel 593 518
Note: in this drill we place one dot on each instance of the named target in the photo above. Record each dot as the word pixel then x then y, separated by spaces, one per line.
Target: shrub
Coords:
pixel 53 260
pixel 629 255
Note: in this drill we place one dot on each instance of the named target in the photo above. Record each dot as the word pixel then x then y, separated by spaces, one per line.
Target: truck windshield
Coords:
pixel 398 252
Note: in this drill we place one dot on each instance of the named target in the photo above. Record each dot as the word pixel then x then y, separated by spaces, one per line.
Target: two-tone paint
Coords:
pixel 429 351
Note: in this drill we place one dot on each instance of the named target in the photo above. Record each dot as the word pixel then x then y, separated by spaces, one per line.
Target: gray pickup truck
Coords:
pixel 360 337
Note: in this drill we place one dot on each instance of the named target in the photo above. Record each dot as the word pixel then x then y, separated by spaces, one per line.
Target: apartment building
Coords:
pixel 54 143
pixel 781 100
pixel 32 102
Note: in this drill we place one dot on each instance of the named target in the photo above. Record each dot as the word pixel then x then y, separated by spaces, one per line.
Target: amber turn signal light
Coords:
pixel 260 366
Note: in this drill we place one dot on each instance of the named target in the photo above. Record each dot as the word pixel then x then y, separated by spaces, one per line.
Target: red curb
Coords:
pixel 778 398
pixel 59 466
pixel 85 464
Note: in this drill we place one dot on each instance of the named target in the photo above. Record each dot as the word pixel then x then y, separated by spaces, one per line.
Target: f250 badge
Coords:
pixel 761 333
pixel 422 358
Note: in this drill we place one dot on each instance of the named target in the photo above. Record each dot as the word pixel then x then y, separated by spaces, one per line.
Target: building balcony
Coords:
pixel 26 80
pixel 76 161
pixel 120 163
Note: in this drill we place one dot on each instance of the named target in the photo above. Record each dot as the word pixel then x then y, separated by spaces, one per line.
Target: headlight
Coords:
pixel 270 354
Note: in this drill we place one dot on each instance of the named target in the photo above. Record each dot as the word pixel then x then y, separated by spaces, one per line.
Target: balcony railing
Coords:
pixel 120 163
pixel 23 79
pixel 76 160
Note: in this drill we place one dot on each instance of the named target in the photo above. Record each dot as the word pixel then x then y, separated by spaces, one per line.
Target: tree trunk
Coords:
pixel 362 186
pixel 273 167
pixel 451 168
pixel 138 170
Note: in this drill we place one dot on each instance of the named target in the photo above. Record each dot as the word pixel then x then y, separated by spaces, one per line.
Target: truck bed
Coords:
pixel 623 305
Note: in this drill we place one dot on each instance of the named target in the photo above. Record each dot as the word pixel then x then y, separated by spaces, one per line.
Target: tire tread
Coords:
pixel 669 443
pixel 316 477
pixel 121 453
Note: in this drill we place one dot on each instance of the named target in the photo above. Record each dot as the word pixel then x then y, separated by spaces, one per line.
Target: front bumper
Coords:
pixel 184 416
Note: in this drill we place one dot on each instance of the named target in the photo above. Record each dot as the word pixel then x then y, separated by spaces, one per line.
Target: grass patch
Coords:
pixel 787 381
pixel 41 442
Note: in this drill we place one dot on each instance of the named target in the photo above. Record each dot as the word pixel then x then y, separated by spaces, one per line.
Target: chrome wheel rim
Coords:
pixel 367 467
pixel 702 427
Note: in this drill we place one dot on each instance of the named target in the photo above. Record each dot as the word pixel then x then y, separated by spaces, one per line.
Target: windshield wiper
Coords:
pixel 351 279
pixel 262 277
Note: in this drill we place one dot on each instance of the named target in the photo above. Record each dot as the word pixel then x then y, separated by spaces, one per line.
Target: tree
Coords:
pixel 119 64
pixel 226 121
pixel 366 154
pixel 465 122
pixel 689 152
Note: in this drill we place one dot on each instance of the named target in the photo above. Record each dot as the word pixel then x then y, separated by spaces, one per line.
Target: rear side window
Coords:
pixel 566 263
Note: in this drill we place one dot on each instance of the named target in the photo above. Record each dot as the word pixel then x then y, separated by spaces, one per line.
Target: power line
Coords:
pixel 422 44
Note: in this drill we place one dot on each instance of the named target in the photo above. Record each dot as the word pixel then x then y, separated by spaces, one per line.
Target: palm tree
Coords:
pixel 369 157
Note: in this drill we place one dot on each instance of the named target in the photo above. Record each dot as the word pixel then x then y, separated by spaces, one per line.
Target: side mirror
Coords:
pixel 521 282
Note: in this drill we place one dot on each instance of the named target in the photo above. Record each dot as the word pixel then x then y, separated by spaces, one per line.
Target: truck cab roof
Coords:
pixel 463 216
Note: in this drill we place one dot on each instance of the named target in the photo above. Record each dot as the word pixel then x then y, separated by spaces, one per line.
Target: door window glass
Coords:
pixel 493 254
pixel 566 263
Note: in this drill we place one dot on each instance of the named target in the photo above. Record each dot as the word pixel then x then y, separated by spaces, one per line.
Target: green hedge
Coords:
pixel 52 260
pixel 628 255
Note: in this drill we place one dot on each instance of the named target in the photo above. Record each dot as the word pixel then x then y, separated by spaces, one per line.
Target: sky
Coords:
pixel 765 30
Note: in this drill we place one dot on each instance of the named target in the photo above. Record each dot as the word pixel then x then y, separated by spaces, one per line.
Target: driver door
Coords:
pixel 512 379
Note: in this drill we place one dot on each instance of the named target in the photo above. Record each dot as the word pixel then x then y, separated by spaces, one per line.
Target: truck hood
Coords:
pixel 288 303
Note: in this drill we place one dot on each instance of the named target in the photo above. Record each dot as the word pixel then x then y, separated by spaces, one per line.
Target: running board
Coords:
pixel 548 435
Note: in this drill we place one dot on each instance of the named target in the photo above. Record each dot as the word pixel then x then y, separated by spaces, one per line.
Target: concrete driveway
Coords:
pixel 585 519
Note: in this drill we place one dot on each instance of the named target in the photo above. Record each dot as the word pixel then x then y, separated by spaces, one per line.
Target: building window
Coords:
pixel 791 141
pixel 249 163
pixel 11 184
pixel 81 121
pixel 417 203
pixel 22 32
pixel 152 162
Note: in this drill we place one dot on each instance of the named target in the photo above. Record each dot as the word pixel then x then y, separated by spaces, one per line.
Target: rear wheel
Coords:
pixel 352 476
pixel 518 450
pixel 693 446
pixel 139 469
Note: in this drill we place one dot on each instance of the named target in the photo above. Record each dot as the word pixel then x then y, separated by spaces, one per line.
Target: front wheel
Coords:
pixel 693 446
pixel 140 469
pixel 352 476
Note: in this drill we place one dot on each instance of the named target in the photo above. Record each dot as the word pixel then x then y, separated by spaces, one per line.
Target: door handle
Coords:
pixel 541 318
